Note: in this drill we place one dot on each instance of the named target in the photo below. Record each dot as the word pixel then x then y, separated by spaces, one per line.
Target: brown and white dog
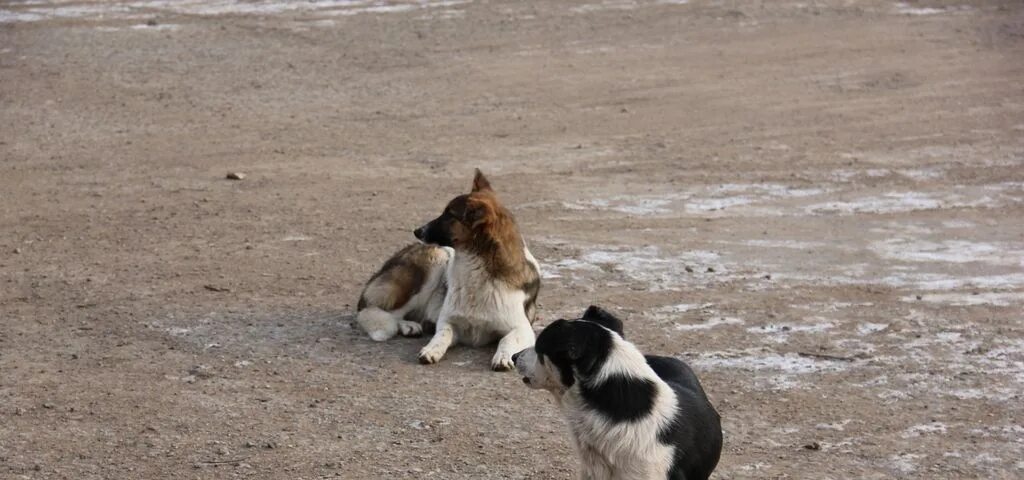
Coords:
pixel 486 292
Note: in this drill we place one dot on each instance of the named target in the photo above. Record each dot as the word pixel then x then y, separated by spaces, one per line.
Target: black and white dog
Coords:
pixel 632 416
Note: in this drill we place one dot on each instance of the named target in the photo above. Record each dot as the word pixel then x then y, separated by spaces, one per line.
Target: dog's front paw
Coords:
pixel 409 329
pixel 502 362
pixel 430 356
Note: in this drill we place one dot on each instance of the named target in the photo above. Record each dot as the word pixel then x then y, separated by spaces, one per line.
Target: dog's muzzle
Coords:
pixel 515 361
pixel 418 233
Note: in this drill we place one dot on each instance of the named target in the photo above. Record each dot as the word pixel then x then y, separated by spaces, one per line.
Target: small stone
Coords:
pixel 689 269
pixel 17 250
pixel 815 446
pixel 223 450
pixel 201 371
pixel 768 276
pixel 235 176
pixel 151 22
pixel 48 405
pixel 711 270
pixel 250 444
pixel 918 297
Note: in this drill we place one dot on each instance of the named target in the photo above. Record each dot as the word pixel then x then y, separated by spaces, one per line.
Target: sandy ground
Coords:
pixel 818 205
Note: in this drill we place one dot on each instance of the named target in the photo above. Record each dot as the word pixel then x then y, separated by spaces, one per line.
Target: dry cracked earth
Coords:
pixel 817 204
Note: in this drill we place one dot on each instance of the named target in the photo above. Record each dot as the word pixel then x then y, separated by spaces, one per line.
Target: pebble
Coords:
pixel 235 176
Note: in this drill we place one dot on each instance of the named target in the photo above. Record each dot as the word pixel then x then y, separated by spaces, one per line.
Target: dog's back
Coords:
pixel 696 431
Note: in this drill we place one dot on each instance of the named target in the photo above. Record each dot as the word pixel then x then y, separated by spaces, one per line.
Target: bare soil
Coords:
pixel 818 205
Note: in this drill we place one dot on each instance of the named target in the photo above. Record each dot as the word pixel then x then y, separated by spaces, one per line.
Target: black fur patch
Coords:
pixel 621 398
pixel 695 430
pixel 604 318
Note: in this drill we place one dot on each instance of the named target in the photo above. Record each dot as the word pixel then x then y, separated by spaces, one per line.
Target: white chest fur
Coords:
pixel 478 306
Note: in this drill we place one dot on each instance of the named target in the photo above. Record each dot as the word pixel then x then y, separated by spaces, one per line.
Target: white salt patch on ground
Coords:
pixel 683 307
pixel 156 28
pixel 606 5
pixel 757 360
pixel 868 328
pixel 837 426
pixel 997 299
pixel 985 457
pixel 926 429
pixel 906 463
pixel 958 224
pixel 699 200
pixel 794 244
pixel 721 197
pixel 906 9
pixel 702 205
pixel 899 202
pixel 632 205
pixel 709 324
pixel 857 348
pixel 951 251
pixel 108 10
pixel 786 328
pixel 648 264
pixel 938 281
pixel 922 174
pixel 831 306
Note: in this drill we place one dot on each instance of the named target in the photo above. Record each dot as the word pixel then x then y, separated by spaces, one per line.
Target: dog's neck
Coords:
pixel 498 247
pixel 624 360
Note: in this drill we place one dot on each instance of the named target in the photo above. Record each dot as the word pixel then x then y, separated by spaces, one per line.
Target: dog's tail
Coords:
pixel 379 324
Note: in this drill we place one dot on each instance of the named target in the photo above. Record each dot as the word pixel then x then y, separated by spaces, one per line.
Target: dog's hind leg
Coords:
pixel 443 338
pixel 519 339
pixel 380 325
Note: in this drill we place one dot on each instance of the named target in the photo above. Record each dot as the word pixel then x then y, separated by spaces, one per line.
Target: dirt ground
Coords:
pixel 816 204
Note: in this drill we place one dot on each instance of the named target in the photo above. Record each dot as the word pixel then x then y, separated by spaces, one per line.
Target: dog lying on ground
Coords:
pixel 473 277
pixel 632 416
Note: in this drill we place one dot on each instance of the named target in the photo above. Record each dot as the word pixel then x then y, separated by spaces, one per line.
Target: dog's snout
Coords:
pixel 515 357
pixel 418 233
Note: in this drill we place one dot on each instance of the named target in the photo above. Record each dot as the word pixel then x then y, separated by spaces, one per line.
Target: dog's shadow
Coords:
pixel 326 336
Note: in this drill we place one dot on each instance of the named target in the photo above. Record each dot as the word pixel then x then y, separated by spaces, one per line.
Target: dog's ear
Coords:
pixel 480 183
pixel 604 318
